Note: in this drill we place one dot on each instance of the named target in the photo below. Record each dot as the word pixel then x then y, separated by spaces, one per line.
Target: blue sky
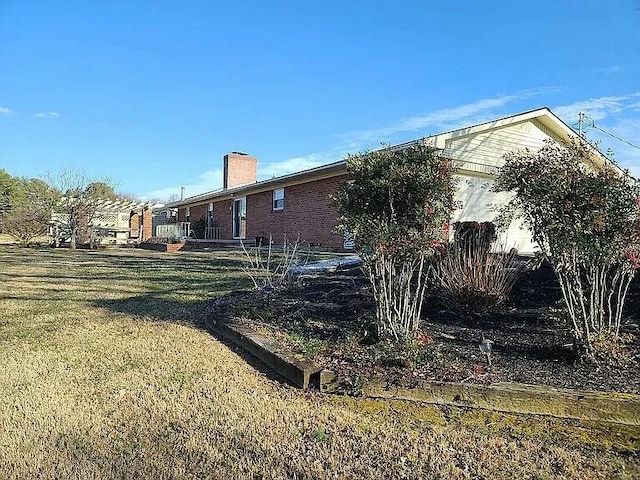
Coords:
pixel 152 94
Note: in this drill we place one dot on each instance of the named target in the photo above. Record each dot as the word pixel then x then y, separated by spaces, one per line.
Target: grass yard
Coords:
pixel 106 372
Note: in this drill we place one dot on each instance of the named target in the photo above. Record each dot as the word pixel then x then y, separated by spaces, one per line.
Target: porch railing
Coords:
pixel 180 229
pixel 212 233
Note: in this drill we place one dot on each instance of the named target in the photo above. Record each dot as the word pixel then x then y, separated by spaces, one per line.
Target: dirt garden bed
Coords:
pixel 328 319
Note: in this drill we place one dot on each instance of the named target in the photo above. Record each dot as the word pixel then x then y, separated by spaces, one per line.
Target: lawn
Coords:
pixel 108 373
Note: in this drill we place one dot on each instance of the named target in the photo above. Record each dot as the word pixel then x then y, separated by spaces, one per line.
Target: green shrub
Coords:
pixel 396 206
pixel 584 213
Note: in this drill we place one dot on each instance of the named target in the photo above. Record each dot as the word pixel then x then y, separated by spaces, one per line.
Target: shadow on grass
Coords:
pixel 151 307
pixel 182 302
pixel 188 313
pixel 126 258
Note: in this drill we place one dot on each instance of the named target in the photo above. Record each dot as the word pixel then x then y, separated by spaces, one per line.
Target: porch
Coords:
pixel 183 230
pixel 173 230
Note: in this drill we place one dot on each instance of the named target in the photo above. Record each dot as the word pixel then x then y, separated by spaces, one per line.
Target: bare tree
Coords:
pixel 174 197
pixel 78 202
pixel 25 224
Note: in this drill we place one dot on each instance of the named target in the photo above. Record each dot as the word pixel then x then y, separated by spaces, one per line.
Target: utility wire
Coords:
pixel 593 125
pixel 615 136
pixel 580 126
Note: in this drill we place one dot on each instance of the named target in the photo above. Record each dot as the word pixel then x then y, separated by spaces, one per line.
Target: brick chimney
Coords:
pixel 239 169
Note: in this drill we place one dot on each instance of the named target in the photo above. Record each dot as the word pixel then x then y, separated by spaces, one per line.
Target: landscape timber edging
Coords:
pixel 268 351
pixel 519 398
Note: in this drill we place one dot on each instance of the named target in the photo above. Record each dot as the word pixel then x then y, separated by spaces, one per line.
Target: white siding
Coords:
pixel 476 202
pixel 489 148
pixel 474 197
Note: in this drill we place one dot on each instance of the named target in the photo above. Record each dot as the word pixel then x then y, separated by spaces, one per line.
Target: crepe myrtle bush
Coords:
pixel 585 218
pixel 397 205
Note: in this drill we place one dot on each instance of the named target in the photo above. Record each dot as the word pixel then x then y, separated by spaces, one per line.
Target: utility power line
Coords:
pixel 616 137
pixel 582 116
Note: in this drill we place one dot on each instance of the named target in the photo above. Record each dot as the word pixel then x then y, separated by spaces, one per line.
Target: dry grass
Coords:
pixel 106 373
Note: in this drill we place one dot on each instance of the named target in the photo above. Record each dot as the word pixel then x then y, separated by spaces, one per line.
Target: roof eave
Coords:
pixel 261 185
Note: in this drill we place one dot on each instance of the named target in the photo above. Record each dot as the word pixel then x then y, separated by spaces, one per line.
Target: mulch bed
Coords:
pixel 329 319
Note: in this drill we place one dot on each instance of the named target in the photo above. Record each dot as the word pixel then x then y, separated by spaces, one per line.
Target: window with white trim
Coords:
pixel 278 199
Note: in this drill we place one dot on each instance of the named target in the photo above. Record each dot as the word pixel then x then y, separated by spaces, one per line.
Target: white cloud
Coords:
pixel 597 108
pixel 447 118
pixel 611 108
pixel 297 164
pixel 617 115
pixel 610 70
pixel 439 120
pixel 627 128
pixel 211 180
pixel 5 111
pixel 47 115
pixel 205 182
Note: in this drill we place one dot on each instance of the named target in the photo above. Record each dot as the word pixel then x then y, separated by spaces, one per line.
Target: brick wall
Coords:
pixel 198 213
pixel 134 225
pixel 308 212
pixel 182 214
pixel 222 218
pixel 195 213
pixel 222 214
pixel 147 224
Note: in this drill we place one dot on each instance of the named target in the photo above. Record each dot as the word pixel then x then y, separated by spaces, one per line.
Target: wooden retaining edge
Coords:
pixel 517 398
pixel 268 351
pixel 502 397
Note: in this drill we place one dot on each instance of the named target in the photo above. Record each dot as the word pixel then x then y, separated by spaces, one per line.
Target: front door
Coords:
pixel 240 218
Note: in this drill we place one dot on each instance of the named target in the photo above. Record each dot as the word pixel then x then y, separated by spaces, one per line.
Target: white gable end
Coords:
pixel 484 152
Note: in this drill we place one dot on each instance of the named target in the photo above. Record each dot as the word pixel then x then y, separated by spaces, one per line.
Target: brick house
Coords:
pixel 299 204
pixel 293 205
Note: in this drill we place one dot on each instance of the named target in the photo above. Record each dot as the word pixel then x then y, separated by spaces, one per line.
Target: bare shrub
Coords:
pixel 78 203
pixel 25 208
pixel 399 284
pixel 270 268
pixel 469 275
pixel 25 224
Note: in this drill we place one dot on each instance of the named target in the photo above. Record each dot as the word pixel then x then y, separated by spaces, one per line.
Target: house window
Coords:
pixel 187 214
pixel 278 199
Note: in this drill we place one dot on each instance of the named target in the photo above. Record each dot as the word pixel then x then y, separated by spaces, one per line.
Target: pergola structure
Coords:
pixel 114 222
